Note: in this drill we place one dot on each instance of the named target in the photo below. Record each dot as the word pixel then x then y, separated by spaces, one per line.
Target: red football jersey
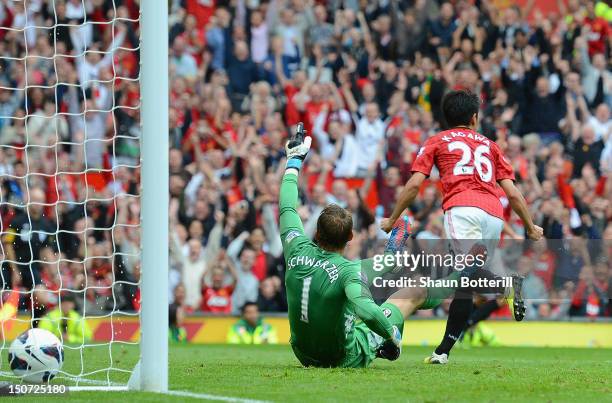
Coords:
pixel 218 301
pixel 470 166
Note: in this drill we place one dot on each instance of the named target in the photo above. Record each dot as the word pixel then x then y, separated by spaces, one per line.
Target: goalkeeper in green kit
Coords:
pixel 333 319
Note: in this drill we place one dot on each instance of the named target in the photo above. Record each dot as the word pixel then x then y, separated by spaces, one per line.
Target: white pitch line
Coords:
pixel 183 393
pixel 205 396
pixel 106 386
pixel 97 388
pixel 95 382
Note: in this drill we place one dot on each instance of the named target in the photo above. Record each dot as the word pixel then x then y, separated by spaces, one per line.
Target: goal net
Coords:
pixel 70 199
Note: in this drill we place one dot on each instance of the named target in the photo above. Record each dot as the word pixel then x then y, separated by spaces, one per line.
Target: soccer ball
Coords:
pixel 36 356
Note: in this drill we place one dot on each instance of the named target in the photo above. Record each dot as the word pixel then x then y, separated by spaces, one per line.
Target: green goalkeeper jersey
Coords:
pixel 326 293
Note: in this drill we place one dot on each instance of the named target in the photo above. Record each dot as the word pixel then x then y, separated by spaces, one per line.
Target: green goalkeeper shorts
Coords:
pixel 363 352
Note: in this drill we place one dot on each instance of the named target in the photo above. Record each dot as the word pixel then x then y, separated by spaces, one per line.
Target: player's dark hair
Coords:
pixel 246 305
pixel 458 107
pixel 334 227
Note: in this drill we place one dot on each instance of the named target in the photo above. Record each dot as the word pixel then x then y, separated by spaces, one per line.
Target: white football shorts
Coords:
pixel 469 226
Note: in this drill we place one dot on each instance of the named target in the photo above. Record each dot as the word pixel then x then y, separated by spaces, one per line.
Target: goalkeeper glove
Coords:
pixel 391 348
pixel 297 148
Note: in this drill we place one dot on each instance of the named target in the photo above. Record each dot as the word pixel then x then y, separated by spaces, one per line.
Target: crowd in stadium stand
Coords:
pixel 365 77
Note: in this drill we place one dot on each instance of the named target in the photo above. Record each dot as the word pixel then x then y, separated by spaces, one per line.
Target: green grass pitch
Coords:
pixel 271 373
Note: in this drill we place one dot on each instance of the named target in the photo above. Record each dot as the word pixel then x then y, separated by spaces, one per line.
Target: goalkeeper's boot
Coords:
pixel 436 359
pixel 514 298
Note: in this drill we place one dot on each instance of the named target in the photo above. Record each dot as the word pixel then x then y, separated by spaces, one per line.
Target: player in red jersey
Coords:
pixel 470 166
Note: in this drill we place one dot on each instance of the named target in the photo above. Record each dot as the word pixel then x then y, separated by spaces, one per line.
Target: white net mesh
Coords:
pixel 69 180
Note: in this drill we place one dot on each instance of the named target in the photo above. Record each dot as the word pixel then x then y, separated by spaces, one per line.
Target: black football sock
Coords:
pixel 482 312
pixel 458 314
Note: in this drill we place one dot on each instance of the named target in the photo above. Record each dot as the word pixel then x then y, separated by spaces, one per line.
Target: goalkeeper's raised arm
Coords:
pixel 290 222
pixel 326 292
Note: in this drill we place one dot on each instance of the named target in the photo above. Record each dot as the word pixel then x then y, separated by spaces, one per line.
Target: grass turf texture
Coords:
pixel 495 374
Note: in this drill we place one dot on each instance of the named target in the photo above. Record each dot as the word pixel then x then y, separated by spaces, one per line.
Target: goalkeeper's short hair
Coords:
pixel 334 227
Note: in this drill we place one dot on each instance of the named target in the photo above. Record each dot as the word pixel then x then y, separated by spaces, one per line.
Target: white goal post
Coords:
pixel 61 90
pixel 154 191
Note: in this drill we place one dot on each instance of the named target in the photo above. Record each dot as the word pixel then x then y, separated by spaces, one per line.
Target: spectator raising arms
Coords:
pixel 367 80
